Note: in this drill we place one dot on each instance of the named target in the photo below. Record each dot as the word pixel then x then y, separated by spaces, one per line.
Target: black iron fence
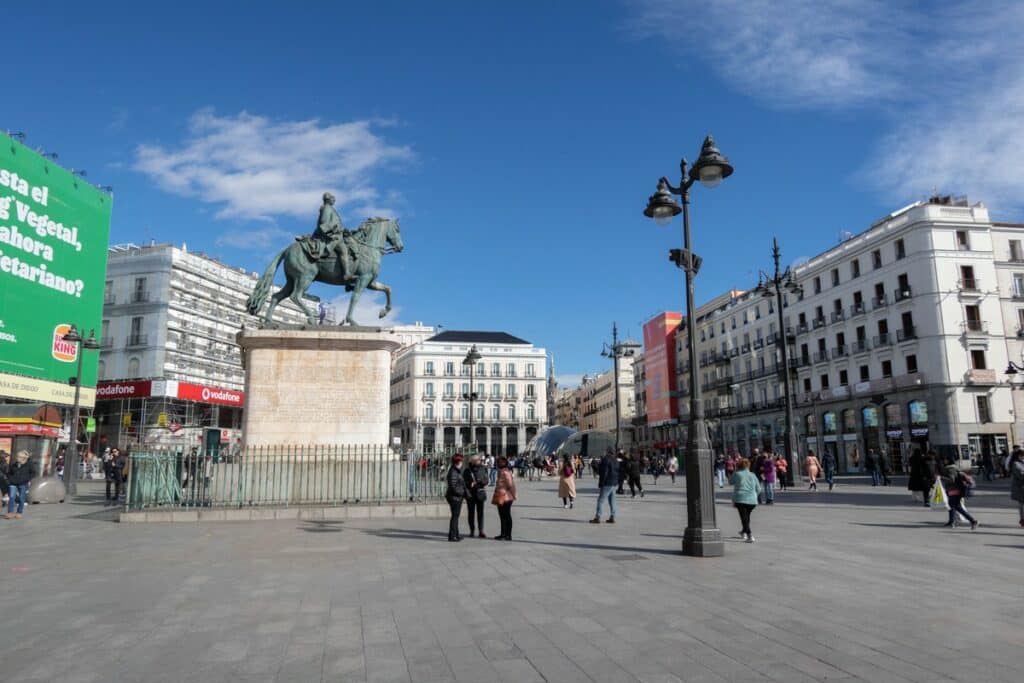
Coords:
pixel 284 476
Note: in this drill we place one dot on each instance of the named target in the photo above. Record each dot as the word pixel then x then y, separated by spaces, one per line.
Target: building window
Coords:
pixel 511 370
pixel 464 390
pixel 886 368
pixel 449 389
pixel 911 364
pixel 101 371
pixel 133 367
pixel 978 359
pixel 428 389
pixel 963 242
pixel 449 368
pixel 531 412
pixel 428 368
pixel 512 412
pixel 529 370
pixel 855 268
pixel 481 368
pixel 824 381
pixel 140 294
pixel 1018 284
pixel 464 411
pixel 817 285
pixel 135 336
pixel 495 390
pixel 495 412
pixel 835 277
pixel 844 378
pixel 1016 255
pixel 807 385
pixel 901 250
pixel 449 411
pixel 480 411
pixel 428 411
pixel 876 259
pixel 511 389
pixel 495 369
pixel 530 391
pixel 984 414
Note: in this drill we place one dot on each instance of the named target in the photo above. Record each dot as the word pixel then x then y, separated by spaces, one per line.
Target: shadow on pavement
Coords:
pixel 595 546
pixel 321 526
pixel 408 533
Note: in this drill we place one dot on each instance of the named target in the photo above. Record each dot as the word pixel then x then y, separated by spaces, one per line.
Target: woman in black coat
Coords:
pixel 476 479
pixel 455 494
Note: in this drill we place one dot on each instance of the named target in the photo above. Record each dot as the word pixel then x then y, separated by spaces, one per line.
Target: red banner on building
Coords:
pixel 217 395
pixel 107 391
pixel 660 366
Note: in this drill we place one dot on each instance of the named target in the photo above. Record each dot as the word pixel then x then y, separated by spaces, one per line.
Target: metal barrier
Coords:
pixel 284 476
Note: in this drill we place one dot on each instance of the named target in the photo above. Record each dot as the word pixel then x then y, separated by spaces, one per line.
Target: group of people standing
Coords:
pixel 470 484
pixel 15 476
pixel 770 469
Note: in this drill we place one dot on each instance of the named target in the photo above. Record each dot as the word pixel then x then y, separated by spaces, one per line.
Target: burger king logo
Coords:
pixel 63 350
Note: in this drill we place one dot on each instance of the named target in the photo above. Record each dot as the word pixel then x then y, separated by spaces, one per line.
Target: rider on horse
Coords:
pixel 330 238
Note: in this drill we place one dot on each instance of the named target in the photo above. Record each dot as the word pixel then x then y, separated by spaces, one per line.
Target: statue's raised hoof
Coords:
pixel 383 312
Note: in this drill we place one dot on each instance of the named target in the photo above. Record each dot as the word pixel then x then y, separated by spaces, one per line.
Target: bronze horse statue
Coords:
pixel 371 240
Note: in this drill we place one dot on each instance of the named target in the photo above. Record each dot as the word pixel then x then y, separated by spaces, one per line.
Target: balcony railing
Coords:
pixel 838 315
pixel 906 333
pixel 974 376
pixel 818 322
pixel 140 296
pixel 903 294
pixel 882 339
pixel 801 328
pixel 106 342
pixel 860 346
pixel 975 326
pixel 109 299
pixel 821 356
pixel 839 351
pixel 880 302
pixel 858 308
pixel 137 340
pixel 969 284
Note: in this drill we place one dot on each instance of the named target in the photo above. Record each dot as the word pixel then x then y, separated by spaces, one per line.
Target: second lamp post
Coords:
pixel 702 537
pixel 471 360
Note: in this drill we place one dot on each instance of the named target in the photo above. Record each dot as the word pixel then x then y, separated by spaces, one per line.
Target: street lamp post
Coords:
pixel 71 460
pixel 616 351
pixel 471 359
pixel 702 537
pixel 773 286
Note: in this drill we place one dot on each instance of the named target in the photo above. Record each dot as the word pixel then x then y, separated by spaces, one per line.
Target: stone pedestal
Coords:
pixel 326 386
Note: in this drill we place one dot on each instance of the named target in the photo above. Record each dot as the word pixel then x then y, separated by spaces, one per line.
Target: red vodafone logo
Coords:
pixel 217 395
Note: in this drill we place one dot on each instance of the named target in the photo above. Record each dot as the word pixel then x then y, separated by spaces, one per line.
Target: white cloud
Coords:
pixel 949 77
pixel 252 167
pixel 259 239
pixel 367 309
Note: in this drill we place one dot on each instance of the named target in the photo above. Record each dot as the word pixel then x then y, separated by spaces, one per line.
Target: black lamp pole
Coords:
pixel 616 351
pixel 71 459
pixel 471 359
pixel 702 537
pixel 773 286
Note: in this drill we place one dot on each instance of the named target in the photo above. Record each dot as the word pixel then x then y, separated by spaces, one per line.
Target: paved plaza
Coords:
pixel 856 585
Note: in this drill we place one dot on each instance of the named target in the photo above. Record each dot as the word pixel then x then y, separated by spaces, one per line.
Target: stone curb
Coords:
pixel 309 513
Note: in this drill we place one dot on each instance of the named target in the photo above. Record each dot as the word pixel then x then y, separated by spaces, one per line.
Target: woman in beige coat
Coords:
pixel 813 468
pixel 567 483
pixel 504 496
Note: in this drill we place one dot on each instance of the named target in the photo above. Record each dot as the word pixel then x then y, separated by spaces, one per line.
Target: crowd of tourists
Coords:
pixel 754 482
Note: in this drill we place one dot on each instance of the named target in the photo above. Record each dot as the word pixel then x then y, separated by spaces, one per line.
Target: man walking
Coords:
pixel 607 480
pixel 633 469
pixel 872 466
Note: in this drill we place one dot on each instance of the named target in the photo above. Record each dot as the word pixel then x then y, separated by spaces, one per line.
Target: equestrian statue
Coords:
pixel 332 255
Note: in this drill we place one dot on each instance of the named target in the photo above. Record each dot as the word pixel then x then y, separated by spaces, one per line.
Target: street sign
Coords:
pixel 90 425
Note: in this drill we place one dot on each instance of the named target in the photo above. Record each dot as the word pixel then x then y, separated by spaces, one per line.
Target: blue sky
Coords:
pixel 518 142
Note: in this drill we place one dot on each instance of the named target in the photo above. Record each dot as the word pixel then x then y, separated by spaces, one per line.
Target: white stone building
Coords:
pixel 900 339
pixel 430 385
pixel 169 322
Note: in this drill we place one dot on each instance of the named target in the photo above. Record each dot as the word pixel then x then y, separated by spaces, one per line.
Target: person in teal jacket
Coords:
pixel 745 491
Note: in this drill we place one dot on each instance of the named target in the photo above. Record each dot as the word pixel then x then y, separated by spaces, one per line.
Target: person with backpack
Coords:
pixel 957 484
pixel 607 481
pixel 567 483
pixel 828 464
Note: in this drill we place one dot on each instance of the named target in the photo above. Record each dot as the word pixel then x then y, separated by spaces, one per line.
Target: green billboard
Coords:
pixel 54 228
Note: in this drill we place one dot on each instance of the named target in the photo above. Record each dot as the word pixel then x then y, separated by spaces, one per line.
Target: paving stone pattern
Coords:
pixel 856 585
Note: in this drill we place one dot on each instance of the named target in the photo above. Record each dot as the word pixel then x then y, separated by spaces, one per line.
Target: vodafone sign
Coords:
pixel 115 390
pixel 224 397
pixel 112 391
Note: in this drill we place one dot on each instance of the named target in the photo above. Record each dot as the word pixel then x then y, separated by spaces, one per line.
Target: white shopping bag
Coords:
pixel 937 496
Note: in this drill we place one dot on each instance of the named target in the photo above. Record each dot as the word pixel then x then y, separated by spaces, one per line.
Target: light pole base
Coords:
pixel 703 543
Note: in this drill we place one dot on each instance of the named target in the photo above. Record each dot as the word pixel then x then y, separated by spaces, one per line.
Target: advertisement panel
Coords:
pixel 54 229
pixel 660 366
